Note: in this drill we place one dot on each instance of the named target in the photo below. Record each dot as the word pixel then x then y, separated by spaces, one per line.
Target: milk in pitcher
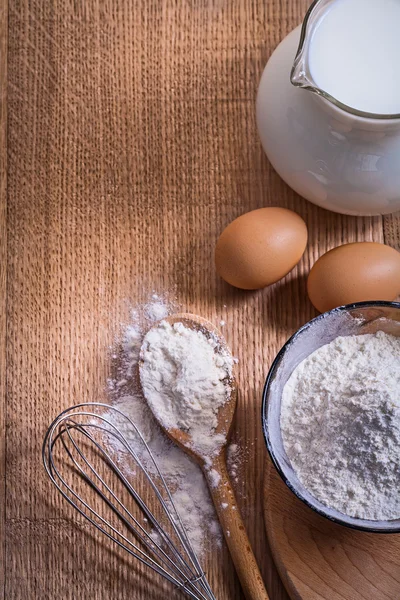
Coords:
pixel 354 54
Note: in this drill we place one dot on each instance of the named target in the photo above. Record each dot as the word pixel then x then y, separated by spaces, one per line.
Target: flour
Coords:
pixel 184 478
pixel 215 478
pixel 340 422
pixel 233 458
pixel 185 376
pixel 157 309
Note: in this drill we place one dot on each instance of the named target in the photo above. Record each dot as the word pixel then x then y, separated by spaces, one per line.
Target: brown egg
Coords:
pixel 354 273
pixel 260 247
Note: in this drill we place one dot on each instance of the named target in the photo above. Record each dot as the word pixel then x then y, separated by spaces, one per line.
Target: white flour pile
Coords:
pixel 340 422
pixel 185 376
pixel 183 476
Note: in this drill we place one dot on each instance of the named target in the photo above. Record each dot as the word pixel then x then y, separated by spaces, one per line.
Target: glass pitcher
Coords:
pixel 338 156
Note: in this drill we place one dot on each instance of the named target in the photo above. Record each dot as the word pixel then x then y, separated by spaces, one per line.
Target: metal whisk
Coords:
pixel 121 491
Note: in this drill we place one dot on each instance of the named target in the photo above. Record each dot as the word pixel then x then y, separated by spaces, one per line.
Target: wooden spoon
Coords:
pixel 220 485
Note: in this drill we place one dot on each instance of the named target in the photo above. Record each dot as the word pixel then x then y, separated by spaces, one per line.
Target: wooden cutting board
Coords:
pixel 320 560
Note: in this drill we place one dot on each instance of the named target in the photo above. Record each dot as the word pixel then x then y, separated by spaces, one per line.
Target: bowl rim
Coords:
pixel 264 420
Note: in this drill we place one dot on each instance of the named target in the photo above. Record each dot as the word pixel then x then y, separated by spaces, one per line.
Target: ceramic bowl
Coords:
pixel 353 319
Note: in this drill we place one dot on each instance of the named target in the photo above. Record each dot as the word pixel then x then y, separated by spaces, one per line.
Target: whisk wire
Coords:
pixel 187 583
pixel 164 557
pixel 144 558
pixel 169 553
pixel 90 510
pixel 134 493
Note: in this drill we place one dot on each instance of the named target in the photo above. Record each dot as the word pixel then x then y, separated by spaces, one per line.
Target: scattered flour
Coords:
pixel 157 309
pixel 233 458
pixel 183 476
pixel 215 478
pixel 340 422
pixel 186 377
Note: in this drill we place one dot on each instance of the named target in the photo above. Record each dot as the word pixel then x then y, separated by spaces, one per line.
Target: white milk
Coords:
pixel 354 54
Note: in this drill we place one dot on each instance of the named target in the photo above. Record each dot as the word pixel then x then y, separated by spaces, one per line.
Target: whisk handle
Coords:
pixel 234 530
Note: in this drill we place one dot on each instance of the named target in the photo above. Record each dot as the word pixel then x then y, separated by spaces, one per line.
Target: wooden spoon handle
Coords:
pixel 234 531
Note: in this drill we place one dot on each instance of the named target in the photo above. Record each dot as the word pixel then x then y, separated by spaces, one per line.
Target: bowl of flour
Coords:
pixel 331 415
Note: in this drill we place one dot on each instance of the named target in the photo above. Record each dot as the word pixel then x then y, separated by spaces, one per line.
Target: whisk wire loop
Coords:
pixel 85 434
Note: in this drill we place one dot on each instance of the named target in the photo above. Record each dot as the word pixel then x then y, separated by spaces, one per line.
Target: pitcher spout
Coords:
pixel 300 75
pixel 323 62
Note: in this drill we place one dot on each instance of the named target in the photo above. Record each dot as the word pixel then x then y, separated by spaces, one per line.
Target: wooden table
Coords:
pixel 131 142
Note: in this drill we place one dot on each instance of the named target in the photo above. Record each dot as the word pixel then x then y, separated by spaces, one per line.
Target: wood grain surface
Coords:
pixel 3 275
pixel 131 144
pixel 320 560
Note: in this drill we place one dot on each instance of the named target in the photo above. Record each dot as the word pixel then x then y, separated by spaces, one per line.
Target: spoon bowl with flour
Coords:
pixel 186 373
pixel 182 424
